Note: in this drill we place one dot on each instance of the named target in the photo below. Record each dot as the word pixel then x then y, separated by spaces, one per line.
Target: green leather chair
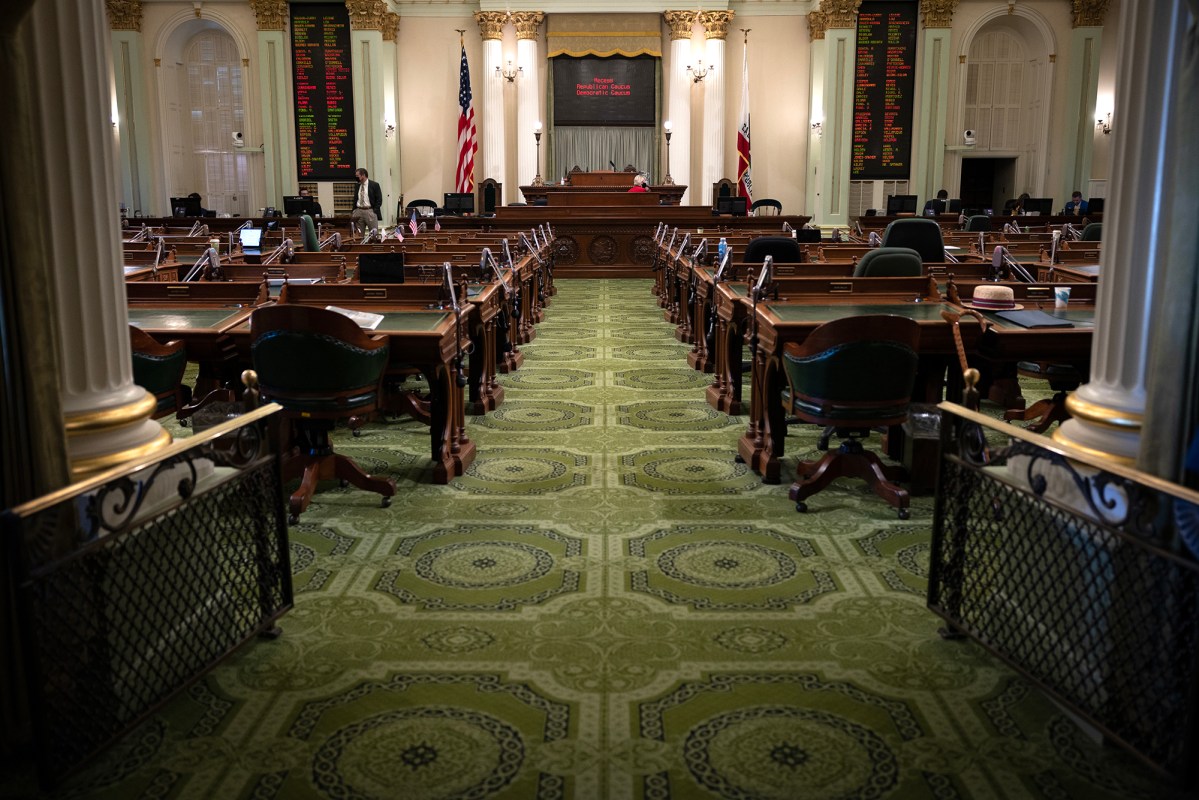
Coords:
pixel 308 234
pixel 889 262
pixel 919 233
pixel 978 222
pixel 854 374
pixel 321 367
pixel 1093 232
pixel 158 368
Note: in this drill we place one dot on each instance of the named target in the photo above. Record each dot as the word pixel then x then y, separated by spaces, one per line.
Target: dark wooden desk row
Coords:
pixel 213 320
pixel 721 320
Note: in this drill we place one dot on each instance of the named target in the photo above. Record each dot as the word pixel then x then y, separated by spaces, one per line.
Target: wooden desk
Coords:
pixel 205 331
pixel 777 324
pixel 667 194
pixel 486 307
pixel 426 339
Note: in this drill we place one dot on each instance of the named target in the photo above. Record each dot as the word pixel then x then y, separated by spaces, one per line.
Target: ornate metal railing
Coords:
pixel 1077 573
pixel 132 585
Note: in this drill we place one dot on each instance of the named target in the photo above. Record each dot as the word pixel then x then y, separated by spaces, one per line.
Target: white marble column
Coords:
pixel 837 129
pixel 928 150
pixel 272 67
pixel 714 165
pixel 1082 86
pixel 528 98
pixel 130 121
pixel 106 415
pixel 494 159
pixel 370 77
pixel 1108 410
pixel 679 101
pixel 816 64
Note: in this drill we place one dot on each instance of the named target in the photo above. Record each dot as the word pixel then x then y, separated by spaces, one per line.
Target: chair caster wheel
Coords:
pixel 183 423
pixel 801 506
pixel 292 519
pixel 904 513
pixel 739 459
pixel 386 502
pixel 357 432
pixel 343 483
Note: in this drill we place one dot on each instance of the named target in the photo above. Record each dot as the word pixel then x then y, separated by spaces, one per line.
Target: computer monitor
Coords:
pixel 736 206
pixel 295 205
pixel 901 204
pixel 185 207
pixel 380 267
pixel 251 240
pixel 955 205
pixel 1095 205
pixel 1039 205
pixel 807 235
pixel 458 203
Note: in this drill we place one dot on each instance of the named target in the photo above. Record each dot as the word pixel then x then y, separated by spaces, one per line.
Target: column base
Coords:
pixel 103 438
pixel 1109 433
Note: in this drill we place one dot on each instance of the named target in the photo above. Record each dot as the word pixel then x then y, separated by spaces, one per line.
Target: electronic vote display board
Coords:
pixel 884 90
pixel 324 93
pixel 612 90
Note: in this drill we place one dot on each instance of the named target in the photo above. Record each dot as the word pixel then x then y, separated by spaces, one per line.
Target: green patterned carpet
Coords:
pixel 607 606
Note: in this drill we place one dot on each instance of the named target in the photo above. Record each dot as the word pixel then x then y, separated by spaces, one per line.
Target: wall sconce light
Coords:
pixel 389 130
pixel 509 73
pixel 1104 124
pixel 818 128
pixel 700 72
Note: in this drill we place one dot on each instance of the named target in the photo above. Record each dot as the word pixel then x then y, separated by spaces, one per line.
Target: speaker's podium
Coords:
pixel 602 181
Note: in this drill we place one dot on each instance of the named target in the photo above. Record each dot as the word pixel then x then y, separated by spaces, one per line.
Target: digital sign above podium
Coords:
pixel 324 94
pixel 884 91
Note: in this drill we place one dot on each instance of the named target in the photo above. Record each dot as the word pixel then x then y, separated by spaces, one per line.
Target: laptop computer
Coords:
pixel 251 241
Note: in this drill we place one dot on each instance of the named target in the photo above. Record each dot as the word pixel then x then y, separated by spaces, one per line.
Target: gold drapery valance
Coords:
pixel 604 35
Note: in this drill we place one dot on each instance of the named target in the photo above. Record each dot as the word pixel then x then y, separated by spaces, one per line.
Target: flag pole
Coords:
pixel 744 172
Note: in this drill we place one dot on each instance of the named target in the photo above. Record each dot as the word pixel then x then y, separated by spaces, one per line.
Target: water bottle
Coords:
pixel 721 249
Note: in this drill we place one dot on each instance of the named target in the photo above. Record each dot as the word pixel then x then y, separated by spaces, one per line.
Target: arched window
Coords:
pixel 995 96
pixel 215 108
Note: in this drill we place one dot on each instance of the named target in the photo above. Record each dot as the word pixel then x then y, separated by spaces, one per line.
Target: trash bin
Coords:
pixel 921 447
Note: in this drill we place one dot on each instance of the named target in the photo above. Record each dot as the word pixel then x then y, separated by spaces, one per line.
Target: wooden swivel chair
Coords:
pixel 887 262
pixel 1063 379
pixel 767 206
pixel 321 367
pixel 158 368
pixel 1093 232
pixel 919 233
pixel 854 374
pixel 424 208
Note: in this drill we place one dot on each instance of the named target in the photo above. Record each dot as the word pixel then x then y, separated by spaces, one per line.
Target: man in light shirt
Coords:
pixel 368 202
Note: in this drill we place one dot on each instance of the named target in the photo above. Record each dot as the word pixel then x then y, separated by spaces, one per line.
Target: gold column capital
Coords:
pixel 391 26
pixel 271 15
pixel 367 15
pixel 527 23
pixel 124 15
pixel 938 13
pixel 680 23
pixel 491 24
pixel 716 23
pixel 817 23
pixel 1089 13
pixel 841 13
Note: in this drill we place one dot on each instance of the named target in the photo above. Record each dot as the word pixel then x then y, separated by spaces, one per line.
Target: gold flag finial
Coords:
pixel 745 32
pixel 461 36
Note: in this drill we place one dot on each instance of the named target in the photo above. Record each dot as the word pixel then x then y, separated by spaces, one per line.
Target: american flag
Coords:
pixel 745 182
pixel 412 226
pixel 464 178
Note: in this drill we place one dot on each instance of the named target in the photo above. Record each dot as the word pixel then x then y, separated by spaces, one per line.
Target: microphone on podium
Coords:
pixel 612 164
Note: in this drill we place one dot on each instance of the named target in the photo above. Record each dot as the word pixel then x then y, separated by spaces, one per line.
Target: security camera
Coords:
pixel 968 136
pixel 239 140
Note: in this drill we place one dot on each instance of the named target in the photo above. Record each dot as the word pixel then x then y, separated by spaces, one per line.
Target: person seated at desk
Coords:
pixel 938 204
pixel 1016 207
pixel 201 211
pixel 638 184
pixel 316 207
pixel 1076 205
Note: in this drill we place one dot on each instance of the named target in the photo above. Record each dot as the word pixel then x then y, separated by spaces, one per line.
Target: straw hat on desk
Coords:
pixel 993 297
